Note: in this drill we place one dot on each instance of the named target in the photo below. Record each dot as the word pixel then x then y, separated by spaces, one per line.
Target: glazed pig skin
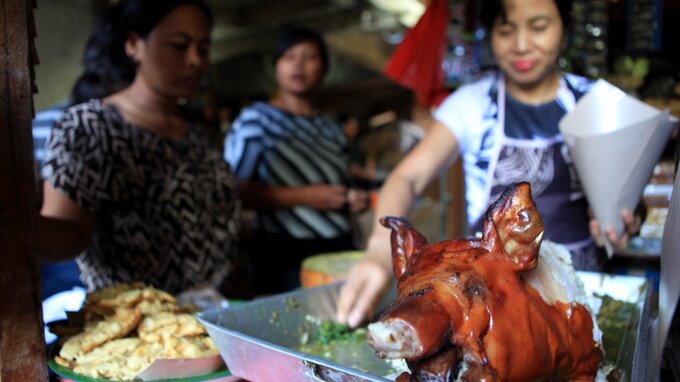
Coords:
pixel 469 296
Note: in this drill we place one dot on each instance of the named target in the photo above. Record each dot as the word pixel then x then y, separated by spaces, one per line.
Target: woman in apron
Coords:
pixel 504 127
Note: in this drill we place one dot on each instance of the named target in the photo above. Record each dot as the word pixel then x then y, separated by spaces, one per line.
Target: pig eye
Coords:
pixel 524 216
pixel 473 287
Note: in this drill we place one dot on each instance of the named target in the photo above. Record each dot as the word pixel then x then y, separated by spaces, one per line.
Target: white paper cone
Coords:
pixel 615 141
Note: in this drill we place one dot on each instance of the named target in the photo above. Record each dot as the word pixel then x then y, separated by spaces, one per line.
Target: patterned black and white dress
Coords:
pixel 166 210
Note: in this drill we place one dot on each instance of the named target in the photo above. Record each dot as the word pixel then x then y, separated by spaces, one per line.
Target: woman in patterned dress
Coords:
pixel 134 190
pixel 504 128
pixel 292 166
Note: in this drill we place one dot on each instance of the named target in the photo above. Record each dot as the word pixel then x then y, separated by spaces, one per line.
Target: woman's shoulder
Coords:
pixel 88 113
pixel 474 93
pixel 254 111
pixel 578 84
pixel 94 124
pixel 482 85
pixel 261 118
pixel 472 96
pixel 91 106
pixel 253 114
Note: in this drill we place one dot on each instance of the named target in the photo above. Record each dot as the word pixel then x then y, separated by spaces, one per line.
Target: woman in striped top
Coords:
pixel 292 166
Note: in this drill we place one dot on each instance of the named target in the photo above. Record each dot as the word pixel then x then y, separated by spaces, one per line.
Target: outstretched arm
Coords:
pixel 369 278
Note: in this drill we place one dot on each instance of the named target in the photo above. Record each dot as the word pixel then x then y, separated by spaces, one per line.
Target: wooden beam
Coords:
pixel 261 38
pixel 367 50
pixel 22 349
pixel 275 12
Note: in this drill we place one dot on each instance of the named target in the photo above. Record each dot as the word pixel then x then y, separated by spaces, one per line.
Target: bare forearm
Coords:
pixel 321 197
pixel 396 199
pixel 267 197
pixel 408 181
pixel 60 240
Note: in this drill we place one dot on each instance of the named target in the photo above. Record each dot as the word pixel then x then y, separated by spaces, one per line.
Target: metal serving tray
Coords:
pixel 258 339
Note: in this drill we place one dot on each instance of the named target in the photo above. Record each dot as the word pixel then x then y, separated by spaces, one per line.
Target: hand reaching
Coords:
pixel 325 197
pixel 367 281
pixel 632 225
pixel 358 200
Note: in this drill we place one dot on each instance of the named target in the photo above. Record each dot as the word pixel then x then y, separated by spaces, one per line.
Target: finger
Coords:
pixel 366 301
pixel 627 216
pixel 619 243
pixel 348 295
pixel 352 198
pixel 336 201
pixel 632 222
pixel 611 234
pixel 362 306
pixel 352 195
pixel 595 232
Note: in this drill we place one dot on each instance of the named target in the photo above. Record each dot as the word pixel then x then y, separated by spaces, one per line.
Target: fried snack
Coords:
pixel 119 325
pixel 114 360
pixel 127 327
pixel 113 348
pixel 110 292
pixel 163 325
pixel 188 347
pixel 153 307
pixel 135 296
pixel 94 311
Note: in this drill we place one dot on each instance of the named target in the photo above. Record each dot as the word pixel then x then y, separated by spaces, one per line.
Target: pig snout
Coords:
pixel 413 328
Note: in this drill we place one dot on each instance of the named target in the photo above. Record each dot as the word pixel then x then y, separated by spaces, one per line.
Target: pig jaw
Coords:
pixel 414 328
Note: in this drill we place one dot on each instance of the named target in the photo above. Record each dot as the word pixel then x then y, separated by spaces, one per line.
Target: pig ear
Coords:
pixel 405 242
pixel 520 229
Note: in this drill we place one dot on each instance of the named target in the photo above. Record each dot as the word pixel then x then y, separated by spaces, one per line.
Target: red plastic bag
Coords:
pixel 416 63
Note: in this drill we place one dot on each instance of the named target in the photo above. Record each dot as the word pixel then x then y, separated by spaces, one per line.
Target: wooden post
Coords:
pixel 22 349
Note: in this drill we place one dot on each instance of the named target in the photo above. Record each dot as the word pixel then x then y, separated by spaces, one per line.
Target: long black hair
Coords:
pixel 493 9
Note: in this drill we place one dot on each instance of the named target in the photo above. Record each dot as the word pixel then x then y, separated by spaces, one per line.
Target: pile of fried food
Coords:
pixel 128 326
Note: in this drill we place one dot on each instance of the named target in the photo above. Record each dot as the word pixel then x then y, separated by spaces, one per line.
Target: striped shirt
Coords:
pixel 275 148
pixel 41 126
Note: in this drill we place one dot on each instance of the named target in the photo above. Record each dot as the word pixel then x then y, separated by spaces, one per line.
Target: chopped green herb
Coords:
pixel 338 343
pixel 331 331
pixel 613 319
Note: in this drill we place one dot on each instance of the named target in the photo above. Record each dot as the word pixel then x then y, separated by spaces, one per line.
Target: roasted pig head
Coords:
pixel 464 311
